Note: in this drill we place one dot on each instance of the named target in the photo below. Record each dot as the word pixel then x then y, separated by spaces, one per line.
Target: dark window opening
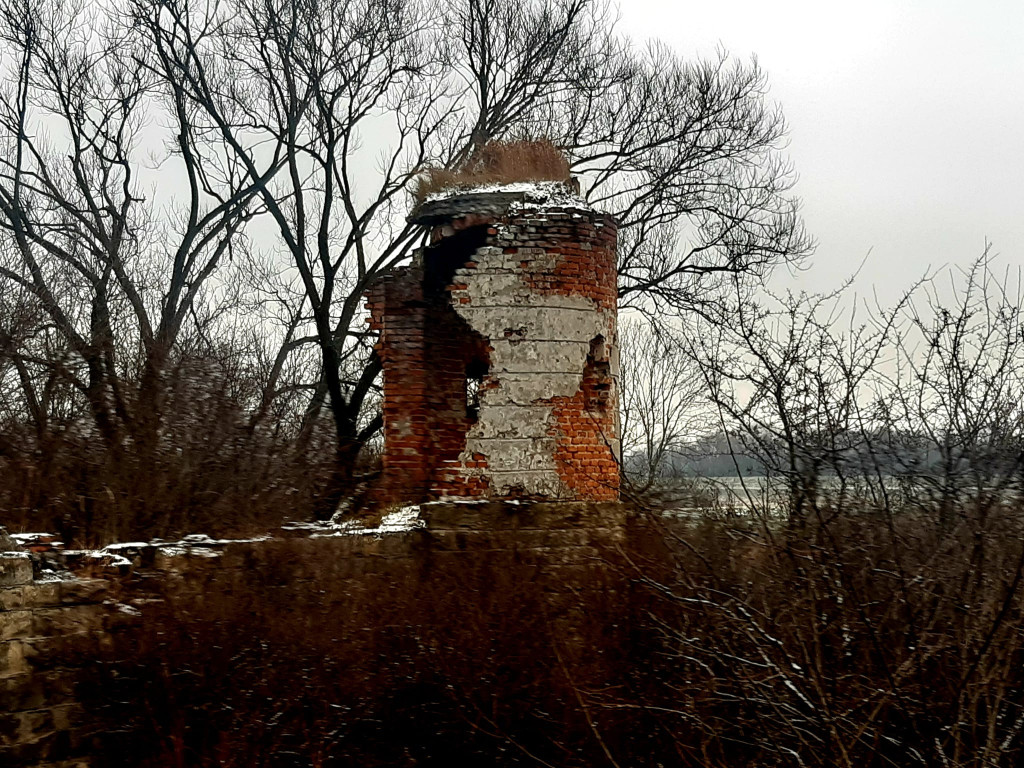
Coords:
pixel 597 376
pixel 443 258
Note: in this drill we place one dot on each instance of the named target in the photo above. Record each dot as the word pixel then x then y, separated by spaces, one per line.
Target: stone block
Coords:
pixel 68 649
pixel 546 516
pixel 56 747
pixel 13 658
pixel 15 569
pixel 47 622
pixel 38 594
pixel 66 717
pixel 25 727
pixel 15 624
pixel 183 559
pixel 38 690
pixel 12 598
pixel 74 591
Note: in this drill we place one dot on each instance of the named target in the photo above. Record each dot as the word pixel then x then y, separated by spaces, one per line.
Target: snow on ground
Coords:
pixel 122 554
pixel 109 558
pixel 399 521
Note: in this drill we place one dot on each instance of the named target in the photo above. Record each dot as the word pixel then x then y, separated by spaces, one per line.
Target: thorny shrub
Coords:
pixel 854 640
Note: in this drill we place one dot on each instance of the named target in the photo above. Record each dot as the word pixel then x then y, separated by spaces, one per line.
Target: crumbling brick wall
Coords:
pixel 499 352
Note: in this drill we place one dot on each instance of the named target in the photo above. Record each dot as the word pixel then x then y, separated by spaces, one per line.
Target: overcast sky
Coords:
pixel 906 122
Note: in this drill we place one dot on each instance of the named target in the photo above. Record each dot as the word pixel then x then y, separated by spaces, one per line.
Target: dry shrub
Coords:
pixel 859 641
pixel 307 657
pixel 498 162
pixel 862 640
pixel 208 469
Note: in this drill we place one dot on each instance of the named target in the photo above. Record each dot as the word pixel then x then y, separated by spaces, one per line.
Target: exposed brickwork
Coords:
pixel 585 256
pixel 426 350
pixel 498 346
pixel 583 425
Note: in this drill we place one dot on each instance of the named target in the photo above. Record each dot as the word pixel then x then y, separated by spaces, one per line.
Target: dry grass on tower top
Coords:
pixel 498 162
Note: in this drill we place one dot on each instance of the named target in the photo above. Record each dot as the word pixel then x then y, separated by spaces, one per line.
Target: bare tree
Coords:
pixel 116 287
pixel 791 391
pixel 656 140
pixel 878 622
pixel 116 277
pixel 288 135
pixel 950 403
pixel 289 91
pixel 916 406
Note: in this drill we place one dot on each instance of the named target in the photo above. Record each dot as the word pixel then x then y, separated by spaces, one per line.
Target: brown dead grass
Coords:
pixel 303 659
pixel 498 162
pixel 855 643
pixel 716 646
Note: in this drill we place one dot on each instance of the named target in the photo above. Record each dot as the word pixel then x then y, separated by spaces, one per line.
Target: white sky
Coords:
pixel 905 123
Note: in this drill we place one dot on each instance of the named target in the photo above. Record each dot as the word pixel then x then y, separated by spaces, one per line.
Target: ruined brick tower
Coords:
pixel 499 351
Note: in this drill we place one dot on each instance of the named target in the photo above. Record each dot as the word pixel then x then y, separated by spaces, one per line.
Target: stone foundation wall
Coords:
pixel 49 631
pixel 52 629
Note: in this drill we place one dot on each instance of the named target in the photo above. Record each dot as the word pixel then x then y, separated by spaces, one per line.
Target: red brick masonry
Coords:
pixel 499 353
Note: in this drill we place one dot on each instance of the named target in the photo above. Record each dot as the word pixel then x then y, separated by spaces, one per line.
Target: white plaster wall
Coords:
pixel 542 356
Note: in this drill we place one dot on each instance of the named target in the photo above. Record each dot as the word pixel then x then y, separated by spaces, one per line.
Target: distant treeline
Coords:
pixel 720 455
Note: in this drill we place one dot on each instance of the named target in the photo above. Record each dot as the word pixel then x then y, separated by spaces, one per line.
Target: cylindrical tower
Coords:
pixel 500 351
